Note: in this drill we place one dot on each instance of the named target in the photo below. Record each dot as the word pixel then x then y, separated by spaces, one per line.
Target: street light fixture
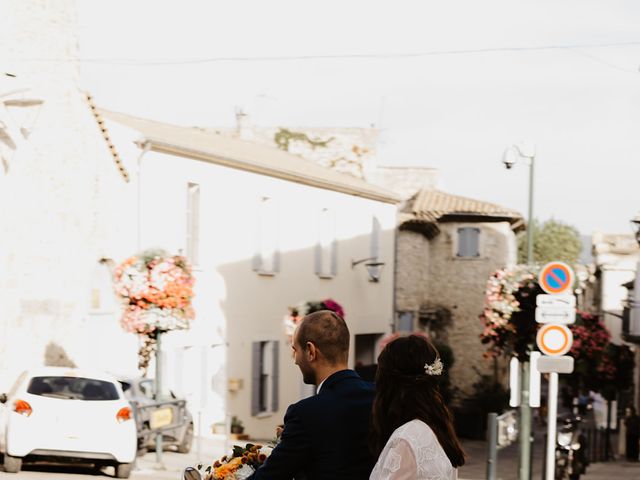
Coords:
pixel 510 157
pixel 374 267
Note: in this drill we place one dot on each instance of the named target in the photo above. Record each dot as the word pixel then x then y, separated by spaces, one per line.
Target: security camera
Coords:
pixel 509 158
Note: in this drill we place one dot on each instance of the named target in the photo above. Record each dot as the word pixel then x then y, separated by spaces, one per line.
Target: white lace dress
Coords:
pixel 413 453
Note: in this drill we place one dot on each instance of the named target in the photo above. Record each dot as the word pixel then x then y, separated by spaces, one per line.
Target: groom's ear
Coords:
pixel 312 351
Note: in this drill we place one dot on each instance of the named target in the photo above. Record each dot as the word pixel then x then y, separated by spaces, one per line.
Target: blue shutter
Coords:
pixel 334 257
pixel 275 399
pixel 318 259
pixel 375 239
pixel 256 371
pixel 468 242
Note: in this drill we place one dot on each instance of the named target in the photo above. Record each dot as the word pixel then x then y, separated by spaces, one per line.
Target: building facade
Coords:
pixel 447 248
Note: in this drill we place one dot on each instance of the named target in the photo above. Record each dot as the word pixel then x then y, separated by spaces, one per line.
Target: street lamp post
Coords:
pixel 510 158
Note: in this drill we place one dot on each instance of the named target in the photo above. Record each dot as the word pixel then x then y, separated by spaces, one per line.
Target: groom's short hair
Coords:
pixel 328 332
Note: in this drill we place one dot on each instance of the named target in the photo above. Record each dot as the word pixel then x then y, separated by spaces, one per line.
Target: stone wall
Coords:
pixel 412 271
pixel 430 275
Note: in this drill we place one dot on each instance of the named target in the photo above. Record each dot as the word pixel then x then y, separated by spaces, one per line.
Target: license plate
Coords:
pixel 161 418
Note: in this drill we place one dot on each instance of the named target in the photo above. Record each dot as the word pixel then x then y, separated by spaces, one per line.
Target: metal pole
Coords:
pixel 492 448
pixel 158 394
pixel 525 426
pixel 530 225
pixel 551 425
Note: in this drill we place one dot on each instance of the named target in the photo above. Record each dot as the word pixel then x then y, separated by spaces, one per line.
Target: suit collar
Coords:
pixel 337 377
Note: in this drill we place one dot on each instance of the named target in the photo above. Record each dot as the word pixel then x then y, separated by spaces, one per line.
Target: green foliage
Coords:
pixel 489 395
pixel 553 240
pixel 284 137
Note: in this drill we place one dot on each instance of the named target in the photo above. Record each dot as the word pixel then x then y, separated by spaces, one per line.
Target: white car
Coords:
pixel 67 414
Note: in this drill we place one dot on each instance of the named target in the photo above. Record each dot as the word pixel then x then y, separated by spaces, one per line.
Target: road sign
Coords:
pixel 555 301
pixel 562 315
pixel 556 278
pixel 554 339
pixel 562 364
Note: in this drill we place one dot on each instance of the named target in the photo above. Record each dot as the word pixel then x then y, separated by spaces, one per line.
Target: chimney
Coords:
pixel 243 125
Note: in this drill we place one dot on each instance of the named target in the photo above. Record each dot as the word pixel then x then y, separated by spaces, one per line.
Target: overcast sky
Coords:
pixel 450 85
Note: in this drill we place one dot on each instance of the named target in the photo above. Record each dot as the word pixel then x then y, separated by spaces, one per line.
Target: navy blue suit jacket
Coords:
pixel 325 436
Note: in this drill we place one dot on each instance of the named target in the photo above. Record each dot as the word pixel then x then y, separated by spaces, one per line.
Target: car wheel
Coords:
pixel 123 470
pixel 187 440
pixel 12 464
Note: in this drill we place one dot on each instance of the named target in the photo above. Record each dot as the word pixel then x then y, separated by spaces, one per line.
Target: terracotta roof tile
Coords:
pixel 429 206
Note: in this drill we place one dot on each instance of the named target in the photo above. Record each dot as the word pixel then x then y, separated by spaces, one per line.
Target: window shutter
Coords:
pixel 275 400
pixel 375 239
pixel 468 242
pixel 276 261
pixel 256 370
pixel 318 259
pixel 334 257
pixel 256 262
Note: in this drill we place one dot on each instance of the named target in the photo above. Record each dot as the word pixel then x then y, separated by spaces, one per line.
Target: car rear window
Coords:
pixel 73 388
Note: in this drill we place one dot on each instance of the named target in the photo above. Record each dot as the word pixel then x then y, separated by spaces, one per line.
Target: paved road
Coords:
pixel 145 469
pixel 211 449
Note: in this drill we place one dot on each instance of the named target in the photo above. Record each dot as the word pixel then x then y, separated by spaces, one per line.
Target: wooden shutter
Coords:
pixel 276 261
pixel 318 259
pixel 334 257
pixel 375 239
pixel 275 399
pixel 256 370
pixel 468 242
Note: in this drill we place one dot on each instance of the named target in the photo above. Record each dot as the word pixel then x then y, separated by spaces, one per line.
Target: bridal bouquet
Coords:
pixel 239 465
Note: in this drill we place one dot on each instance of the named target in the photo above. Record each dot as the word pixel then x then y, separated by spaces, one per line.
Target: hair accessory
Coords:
pixel 435 368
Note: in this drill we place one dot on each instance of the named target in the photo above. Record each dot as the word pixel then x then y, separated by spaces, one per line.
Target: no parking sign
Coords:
pixel 556 278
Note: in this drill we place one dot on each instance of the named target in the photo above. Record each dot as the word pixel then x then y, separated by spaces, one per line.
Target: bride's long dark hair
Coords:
pixel 404 392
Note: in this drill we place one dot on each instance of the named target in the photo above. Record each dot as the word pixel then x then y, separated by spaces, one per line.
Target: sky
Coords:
pixel 450 85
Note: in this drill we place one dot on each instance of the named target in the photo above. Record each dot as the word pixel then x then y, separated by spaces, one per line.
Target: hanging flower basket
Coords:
pixel 299 311
pixel 156 290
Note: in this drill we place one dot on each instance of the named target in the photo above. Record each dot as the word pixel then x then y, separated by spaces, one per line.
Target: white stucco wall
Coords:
pixel 237 306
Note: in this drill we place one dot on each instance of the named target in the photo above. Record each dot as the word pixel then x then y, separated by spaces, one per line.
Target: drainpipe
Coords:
pixel 145 146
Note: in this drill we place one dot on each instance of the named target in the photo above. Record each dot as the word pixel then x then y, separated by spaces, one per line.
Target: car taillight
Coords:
pixel 22 407
pixel 124 414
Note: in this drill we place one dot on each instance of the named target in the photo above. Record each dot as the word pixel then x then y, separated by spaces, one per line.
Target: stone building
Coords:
pixel 447 247
pixel 615 257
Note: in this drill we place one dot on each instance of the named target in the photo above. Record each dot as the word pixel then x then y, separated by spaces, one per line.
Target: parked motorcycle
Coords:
pixel 571 450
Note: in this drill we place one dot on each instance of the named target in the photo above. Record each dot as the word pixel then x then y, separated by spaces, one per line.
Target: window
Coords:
pixel 193 222
pixel 326 258
pixel 267 257
pixel 73 388
pixel 405 321
pixel 468 242
pixel 264 377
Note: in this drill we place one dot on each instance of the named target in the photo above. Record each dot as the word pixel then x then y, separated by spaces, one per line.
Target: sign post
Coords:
pixel 554 311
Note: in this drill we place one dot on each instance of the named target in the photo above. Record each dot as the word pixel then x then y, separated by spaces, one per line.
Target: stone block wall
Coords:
pixel 459 284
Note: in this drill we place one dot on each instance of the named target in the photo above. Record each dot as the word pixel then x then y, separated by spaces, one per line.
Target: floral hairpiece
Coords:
pixel 434 368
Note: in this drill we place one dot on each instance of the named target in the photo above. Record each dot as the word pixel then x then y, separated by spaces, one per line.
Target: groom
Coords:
pixel 324 436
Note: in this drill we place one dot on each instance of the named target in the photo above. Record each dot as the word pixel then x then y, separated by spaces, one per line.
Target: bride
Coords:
pixel 412 429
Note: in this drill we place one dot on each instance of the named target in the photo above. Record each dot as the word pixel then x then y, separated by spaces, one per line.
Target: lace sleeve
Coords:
pixel 397 462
